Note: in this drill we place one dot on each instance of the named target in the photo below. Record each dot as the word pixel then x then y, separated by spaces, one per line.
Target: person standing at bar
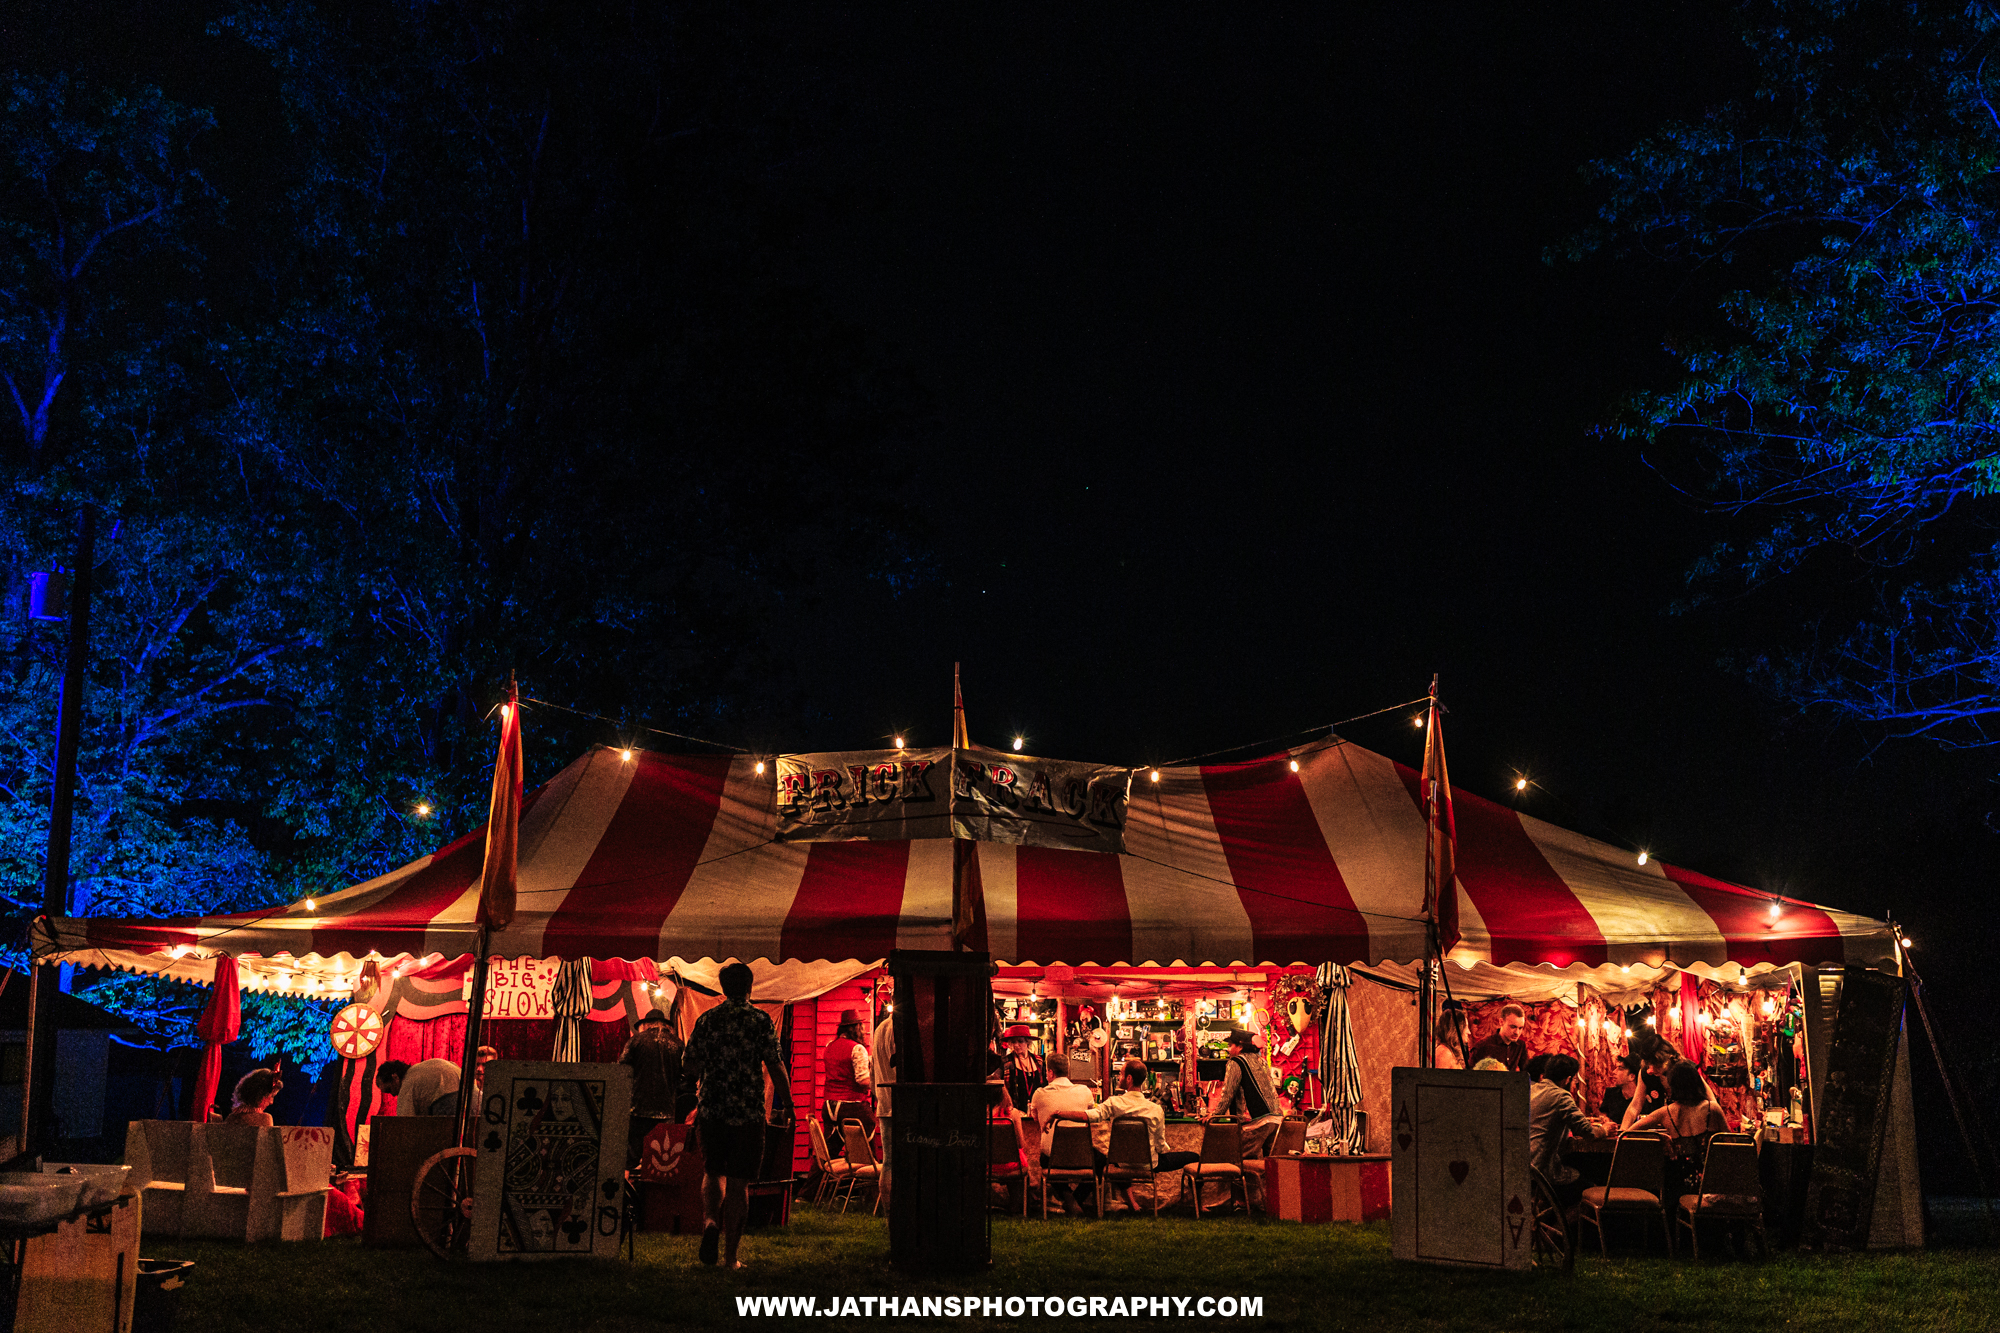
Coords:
pixel 847 1078
pixel 1504 1042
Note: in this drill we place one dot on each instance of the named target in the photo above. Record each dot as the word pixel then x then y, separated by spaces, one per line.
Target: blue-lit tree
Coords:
pixel 1839 394
pixel 488 361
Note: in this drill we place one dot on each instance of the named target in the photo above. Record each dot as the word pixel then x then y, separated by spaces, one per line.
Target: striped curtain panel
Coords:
pixel 571 1001
pixel 1340 1066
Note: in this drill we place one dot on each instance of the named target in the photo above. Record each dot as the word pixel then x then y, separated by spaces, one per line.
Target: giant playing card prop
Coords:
pixel 1459 1177
pixel 551 1164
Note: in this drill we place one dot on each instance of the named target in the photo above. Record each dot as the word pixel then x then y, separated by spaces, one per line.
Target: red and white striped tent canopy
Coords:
pixel 1259 863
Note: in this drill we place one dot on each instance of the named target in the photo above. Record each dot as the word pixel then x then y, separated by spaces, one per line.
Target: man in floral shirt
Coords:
pixel 729 1050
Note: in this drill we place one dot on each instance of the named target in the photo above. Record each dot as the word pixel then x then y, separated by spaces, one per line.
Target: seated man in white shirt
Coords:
pixel 1130 1099
pixel 1053 1098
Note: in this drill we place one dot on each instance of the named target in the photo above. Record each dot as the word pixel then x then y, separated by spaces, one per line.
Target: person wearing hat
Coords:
pixel 849 1088
pixel 1246 1092
pixel 653 1053
pixel 1022 1074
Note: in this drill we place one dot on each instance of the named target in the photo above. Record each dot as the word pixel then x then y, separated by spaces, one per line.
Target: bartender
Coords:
pixel 1022 1074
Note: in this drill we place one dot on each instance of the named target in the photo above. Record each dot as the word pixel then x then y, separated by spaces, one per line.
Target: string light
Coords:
pixel 506 711
pixel 625 755
pixel 312 905
pixel 1905 942
pixel 899 742
pixel 1019 741
pixel 1651 1021
pixel 1777 909
pixel 1156 775
pixel 1417 722
pixel 423 811
pixel 760 766
pixel 1520 784
pixel 1642 858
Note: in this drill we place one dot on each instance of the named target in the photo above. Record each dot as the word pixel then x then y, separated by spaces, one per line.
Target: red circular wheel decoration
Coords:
pixel 356 1031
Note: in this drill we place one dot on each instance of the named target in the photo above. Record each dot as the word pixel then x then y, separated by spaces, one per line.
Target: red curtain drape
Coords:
pixel 220 1021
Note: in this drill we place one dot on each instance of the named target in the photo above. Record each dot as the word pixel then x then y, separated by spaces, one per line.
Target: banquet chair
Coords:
pixel 862 1166
pixel 1290 1140
pixel 1221 1159
pixel 1256 1144
pixel 1070 1158
pixel 832 1170
pixel 1730 1190
pixel 1637 1180
pixel 1130 1160
pixel 1003 1159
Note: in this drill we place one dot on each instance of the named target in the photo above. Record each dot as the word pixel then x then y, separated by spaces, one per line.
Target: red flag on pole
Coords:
pixel 503 822
pixel 1442 887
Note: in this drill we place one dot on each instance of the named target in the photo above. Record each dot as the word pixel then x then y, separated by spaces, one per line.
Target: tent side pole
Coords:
pixel 468 1069
pixel 39 1079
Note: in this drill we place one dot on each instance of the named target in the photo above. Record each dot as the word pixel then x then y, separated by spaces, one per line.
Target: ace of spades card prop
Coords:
pixel 549 1175
pixel 1459 1169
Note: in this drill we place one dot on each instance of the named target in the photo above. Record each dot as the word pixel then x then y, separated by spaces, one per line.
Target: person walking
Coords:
pixel 731 1048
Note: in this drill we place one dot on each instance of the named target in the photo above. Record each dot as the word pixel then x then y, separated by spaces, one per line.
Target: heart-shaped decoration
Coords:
pixel 1459 1171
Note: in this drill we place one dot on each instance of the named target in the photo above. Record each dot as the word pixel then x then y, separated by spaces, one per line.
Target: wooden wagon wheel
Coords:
pixel 1554 1243
pixel 441 1202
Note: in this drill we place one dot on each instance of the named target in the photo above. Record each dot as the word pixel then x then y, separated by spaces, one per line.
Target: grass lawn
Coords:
pixel 1332 1277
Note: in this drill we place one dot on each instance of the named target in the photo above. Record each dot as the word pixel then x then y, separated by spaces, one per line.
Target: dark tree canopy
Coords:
pixel 1838 394
pixel 400 346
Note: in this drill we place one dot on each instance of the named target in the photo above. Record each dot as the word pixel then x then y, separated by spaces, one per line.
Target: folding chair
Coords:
pixel 832 1170
pixel 1638 1178
pixel 1003 1159
pixel 863 1168
pixel 1130 1160
pixel 1730 1190
pixel 1070 1158
pixel 1221 1159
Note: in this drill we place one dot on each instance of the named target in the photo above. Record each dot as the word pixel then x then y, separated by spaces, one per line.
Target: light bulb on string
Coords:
pixel 422 811
pixel 1156 775
pixel 625 755
pixel 760 766
pixel 1019 741
pixel 1777 909
pixel 1418 722
pixel 1905 942
pixel 312 905
pixel 899 742
pixel 506 711
pixel 1643 857
pixel 1295 765
pixel 1520 784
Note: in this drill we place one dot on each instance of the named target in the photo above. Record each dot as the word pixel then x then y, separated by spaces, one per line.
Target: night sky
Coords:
pixel 1257 404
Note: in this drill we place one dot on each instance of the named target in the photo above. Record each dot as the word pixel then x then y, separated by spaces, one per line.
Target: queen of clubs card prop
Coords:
pixel 550 1171
pixel 1459 1168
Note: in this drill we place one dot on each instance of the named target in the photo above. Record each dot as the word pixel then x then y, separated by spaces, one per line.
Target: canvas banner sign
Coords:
pixel 994 796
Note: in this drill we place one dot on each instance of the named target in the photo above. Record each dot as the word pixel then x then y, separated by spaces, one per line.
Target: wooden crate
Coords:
pixel 397 1146
pixel 937 1217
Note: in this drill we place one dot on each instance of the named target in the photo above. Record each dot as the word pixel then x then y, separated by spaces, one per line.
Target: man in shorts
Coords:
pixel 730 1049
